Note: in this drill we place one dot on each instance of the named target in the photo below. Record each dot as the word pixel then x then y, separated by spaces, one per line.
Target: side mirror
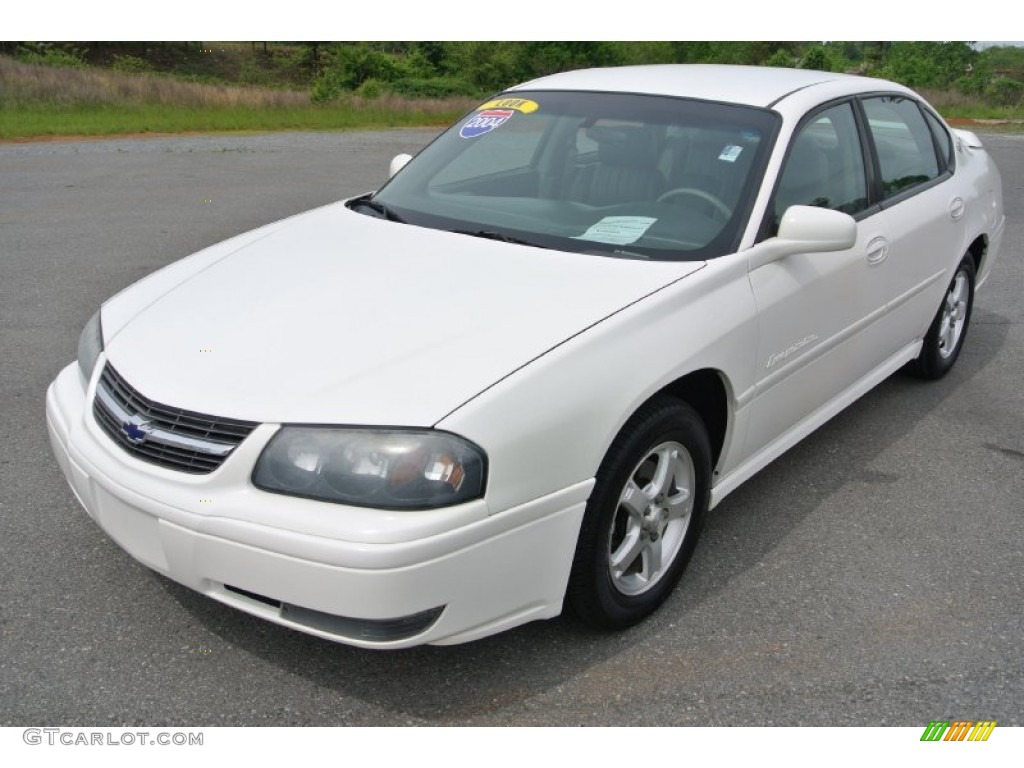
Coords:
pixel 806 229
pixel 398 163
pixel 970 140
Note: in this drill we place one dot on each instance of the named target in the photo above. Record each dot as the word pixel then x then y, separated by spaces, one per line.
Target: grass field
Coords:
pixel 55 120
pixel 40 101
pixel 46 101
pixel 953 104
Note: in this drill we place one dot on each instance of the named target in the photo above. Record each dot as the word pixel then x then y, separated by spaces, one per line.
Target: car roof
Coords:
pixel 753 86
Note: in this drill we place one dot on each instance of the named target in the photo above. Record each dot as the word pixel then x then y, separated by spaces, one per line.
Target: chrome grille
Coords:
pixel 161 434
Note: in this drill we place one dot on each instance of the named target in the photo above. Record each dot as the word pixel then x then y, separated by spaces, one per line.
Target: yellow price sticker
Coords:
pixel 519 105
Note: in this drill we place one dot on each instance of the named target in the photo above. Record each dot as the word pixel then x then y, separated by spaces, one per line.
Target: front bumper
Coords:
pixel 362 577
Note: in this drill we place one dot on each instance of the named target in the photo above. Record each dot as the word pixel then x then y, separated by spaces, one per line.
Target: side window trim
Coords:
pixel 945 171
pixel 917 189
pixel 946 161
pixel 764 230
pixel 941 159
pixel 869 155
pixel 867 143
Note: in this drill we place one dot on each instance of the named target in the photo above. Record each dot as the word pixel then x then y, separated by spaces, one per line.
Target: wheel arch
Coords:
pixel 707 391
pixel 978 249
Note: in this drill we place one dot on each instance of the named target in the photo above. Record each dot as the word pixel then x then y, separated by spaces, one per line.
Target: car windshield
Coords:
pixel 612 174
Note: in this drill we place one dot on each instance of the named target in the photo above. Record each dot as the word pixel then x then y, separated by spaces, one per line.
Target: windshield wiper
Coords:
pixel 488 234
pixel 379 207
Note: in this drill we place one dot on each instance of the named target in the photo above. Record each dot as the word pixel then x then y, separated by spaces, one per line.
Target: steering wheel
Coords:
pixel 694 192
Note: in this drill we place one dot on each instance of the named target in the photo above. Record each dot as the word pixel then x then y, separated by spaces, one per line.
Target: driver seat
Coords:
pixel 626 169
pixel 713 161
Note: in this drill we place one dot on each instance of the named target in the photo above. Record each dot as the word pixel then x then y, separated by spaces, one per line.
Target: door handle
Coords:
pixel 877 250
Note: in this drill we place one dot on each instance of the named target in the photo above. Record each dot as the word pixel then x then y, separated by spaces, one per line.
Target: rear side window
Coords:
pixel 906 152
pixel 942 141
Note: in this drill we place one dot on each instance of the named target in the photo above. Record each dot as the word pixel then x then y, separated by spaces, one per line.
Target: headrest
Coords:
pixel 625 145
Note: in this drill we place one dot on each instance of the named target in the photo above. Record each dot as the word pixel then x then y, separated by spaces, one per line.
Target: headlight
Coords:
pixel 90 344
pixel 385 468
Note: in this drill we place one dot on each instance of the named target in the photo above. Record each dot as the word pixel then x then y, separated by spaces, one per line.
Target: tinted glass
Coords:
pixel 611 174
pixel 906 155
pixel 825 166
pixel 511 148
pixel 942 139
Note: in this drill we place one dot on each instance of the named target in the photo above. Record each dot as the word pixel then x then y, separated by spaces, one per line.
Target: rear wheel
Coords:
pixel 948 330
pixel 644 516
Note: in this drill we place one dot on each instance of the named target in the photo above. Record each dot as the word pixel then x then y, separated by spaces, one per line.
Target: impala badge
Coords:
pixel 778 357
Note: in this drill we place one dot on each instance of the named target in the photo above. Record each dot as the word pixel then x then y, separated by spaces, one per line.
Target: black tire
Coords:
pixel 664 434
pixel 941 347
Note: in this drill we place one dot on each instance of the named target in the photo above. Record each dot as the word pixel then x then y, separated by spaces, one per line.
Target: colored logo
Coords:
pixel 135 429
pixel 485 122
pixel 519 105
pixel 958 730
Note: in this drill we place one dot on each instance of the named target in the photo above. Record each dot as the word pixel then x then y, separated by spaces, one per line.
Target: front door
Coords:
pixel 814 308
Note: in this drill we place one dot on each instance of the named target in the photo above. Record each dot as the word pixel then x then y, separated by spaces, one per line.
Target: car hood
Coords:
pixel 336 317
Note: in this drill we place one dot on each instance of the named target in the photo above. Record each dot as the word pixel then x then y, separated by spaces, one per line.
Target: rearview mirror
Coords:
pixel 806 229
pixel 398 163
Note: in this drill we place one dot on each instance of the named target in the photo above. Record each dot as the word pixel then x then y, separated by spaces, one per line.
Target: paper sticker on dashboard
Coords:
pixel 484 122
pixel 618 230
pixel 730 153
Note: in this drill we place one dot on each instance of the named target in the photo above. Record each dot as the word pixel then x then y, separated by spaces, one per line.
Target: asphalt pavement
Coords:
pixel 874 575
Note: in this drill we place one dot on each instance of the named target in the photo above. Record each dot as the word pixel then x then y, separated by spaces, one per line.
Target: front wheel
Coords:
pixel 644 516
pixel 948 330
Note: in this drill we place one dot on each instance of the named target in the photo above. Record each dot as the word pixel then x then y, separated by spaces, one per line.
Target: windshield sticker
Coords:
pixel 519 105
pixel 485 122
pixel 730 153
pixel 618 230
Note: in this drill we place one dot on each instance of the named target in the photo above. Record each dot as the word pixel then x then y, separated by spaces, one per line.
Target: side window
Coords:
pixel 825 166
pixel 942 140
pixel 906 154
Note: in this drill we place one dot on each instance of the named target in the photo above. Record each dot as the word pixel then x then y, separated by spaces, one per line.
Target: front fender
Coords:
pixel 549 424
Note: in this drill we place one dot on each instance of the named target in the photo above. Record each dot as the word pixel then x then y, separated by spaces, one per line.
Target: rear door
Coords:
pixel 917 235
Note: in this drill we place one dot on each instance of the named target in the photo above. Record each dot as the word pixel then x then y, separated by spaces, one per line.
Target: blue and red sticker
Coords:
pixel 485 122
pixel 494 114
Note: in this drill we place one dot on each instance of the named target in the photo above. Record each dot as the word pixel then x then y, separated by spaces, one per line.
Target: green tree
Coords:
pixel 817 57
pixel 435 54
pixel 780 59
pixel 1005 60
pixel 535 59
pixel 926 64
pixel 1005 92
pixel 488 66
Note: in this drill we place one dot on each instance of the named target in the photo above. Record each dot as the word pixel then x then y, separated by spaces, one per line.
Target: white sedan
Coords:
pixel 516 378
